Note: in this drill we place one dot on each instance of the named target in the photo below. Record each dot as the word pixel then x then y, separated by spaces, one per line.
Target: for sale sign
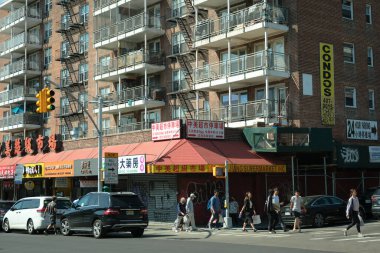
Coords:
pixel 362 130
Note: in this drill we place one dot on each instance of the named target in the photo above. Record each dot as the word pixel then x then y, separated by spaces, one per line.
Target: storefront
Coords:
pixel 60 175
pixel 33 183
pixel 85 177
pixel 7 185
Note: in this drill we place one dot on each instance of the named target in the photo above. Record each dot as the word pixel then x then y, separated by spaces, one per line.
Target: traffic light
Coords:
pixel 41 102
pixel 49 100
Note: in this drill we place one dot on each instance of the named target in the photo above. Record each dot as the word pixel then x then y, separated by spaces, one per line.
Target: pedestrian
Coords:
pixel 277 208
pixel 247 211
pixel 352 212
pixel 215 209
pixel 234 209
pixel 269 209
pixel 190 213
pixel 296 206
pixel 51 209
pixel 181 212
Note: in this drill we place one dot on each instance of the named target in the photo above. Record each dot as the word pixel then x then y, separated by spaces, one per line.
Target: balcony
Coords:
pixel 17 19
pixel 242 71
pixel 17 95
pixel 241 27
pixel 139 126
pixel 132 99
pixel 133 63
pixel 289 139
pixel 214 4
pixel 130 30
pixel 17 44
pixel 19 122
pixel 103 6
pixel 18 69
pixel 248 114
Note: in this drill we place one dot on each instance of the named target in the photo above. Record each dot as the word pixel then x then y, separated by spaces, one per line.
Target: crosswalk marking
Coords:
pixel 374 240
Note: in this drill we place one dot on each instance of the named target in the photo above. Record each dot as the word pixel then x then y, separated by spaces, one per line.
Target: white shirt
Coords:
pixel 296 203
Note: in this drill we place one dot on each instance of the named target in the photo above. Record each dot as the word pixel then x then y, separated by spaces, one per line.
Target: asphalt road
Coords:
pixel 160 238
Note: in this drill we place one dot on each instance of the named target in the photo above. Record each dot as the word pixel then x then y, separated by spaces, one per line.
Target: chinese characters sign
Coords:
pixel 166 130
pixel 327 84
pixel 204 129
pixel 207 168
pixel 7 171
pixel 59 169
pixel 86 167
pixel 362 130
pixel 33 170
pixel 132 164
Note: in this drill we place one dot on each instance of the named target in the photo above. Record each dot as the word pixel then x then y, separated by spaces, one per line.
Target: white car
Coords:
pixel 28 214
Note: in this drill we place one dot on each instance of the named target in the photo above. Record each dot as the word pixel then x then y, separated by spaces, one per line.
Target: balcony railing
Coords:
pixel 18 14
pixel 17 66
pixel 124 129
pixel 19 119
pixel 129 95
pixel 241 65
pixel 17 93
pixel 127 25
pixel 247 111
pixel 129 60
pixel 17 40
pixel 244 18
pixel 98 4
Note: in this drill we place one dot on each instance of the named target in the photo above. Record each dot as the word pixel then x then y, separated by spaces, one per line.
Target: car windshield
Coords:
pixel 377 192
pixel 126 201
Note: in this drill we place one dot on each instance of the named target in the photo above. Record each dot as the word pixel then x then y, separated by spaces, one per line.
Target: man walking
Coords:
pixel 190 213
pixel 296 205
pixel 216 210
pixel 277 208
pixel 51 209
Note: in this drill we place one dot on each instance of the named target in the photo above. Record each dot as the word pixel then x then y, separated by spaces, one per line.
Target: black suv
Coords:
pixel 376 203
pixel 103 212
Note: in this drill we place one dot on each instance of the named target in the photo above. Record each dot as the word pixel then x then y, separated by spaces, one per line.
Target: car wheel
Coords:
pixel 319 220
pixel 97 229
pixel 137 233
pixel 6 227
pixel 30 227
pixel 65 227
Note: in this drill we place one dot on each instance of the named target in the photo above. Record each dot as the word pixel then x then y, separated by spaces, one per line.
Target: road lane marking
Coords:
pixel 374 240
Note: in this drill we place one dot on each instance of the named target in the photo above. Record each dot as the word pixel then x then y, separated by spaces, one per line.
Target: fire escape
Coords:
pixel 73 53
pixel 185 19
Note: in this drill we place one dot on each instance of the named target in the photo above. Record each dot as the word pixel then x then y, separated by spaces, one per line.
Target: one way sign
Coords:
pixel 111 168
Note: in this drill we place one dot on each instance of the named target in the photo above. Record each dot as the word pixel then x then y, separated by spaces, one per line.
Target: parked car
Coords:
pixel 365 200
pixel 376 203
pixel 5 205
pixel 102 212
pixel 320 209
pixel 28 214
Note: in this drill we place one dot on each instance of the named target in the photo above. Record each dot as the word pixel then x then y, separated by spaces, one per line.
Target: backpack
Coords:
pixel 209 204
pixel 50 208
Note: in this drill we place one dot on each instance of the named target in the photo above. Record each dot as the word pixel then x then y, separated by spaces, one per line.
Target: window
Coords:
pixel 349 53
pixel 238 99
pixel 83 100
pixel 48 7
pixel 347 9
pixel 106 123
pixel 277 100
pixel 371 99
pixel 83 43
pixel 64 107
pixel 178 43
pixel 177 112
pixel 370 56
pixel 154 47
pixel 237 64
pixel 34 35
pixel 46 80
pixel 47 57
pixel 178 80
pixel 350 97
pixel 83 126
pixel 368 14
pixel 64 77
pixel 83 72
pixel 46 115
pixel 47 31
pixel 153 116
pixel 104 91
pixel 84 9
pixel 65 21
pixel 65 49
pixel 46 132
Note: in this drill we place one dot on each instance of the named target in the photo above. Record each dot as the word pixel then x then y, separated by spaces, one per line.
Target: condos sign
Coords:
pixel 327 84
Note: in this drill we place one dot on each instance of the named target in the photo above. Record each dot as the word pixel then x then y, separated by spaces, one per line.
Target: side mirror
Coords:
pixel 12 209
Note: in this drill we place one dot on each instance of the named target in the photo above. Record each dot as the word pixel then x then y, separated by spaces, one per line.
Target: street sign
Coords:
pixel 111 163
pixel 18 173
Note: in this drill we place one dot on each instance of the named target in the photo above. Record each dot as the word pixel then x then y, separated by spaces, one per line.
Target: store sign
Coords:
pixel 204 129
pixel 134 164
pixel 326 52
pixel 362 130
pixel 59 169
pixel 374 154
pixel 86 167
pixel 166 130
pixel 7 171
pixel 111 168
pixel 61 182
pixel 349 154
pixel 33 170
pixel 88 183
pixel 19 172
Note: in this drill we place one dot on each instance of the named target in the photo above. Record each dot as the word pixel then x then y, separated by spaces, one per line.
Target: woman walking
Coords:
pixel 352 212
pixel 247 211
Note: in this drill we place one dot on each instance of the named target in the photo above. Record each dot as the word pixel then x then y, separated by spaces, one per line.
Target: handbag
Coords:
pixel 361 220
pixel 256 219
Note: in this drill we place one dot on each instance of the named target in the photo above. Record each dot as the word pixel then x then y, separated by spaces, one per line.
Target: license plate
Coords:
pixel 129 212
pixel 287 213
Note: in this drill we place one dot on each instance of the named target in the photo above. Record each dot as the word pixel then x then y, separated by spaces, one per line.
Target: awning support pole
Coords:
pixel 227 219
pixel 325 173
pixel 334 183
pixel 293 187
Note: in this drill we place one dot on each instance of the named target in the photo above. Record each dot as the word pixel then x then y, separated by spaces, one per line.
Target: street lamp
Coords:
pixel 98 127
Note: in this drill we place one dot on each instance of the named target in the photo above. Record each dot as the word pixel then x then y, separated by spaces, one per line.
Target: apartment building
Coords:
pixel 296 80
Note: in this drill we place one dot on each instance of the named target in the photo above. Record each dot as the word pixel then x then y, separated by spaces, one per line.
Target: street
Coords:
pixel 160 238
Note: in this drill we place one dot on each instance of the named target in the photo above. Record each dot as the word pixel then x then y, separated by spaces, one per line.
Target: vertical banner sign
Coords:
pixel 327 84
pixel 111 168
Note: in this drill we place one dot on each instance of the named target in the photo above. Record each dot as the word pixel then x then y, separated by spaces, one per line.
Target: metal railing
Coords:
pixel 124 129
pixel 17 66
pixel 254 14
pixel 17 93
pixel 128 95
pixel 241 65
pixel 127 25
pixel 22 118
pixel 246 111
pixel 18 14
pixel 98 4
pixel 129 60
pixel 17 40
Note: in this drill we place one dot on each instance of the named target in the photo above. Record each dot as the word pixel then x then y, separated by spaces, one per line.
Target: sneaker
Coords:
pixel 345 232
pixel 360 235
pixel 45 232
pixel 244 230
pixel 299 231
pixel 254 230
pixel 286 230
